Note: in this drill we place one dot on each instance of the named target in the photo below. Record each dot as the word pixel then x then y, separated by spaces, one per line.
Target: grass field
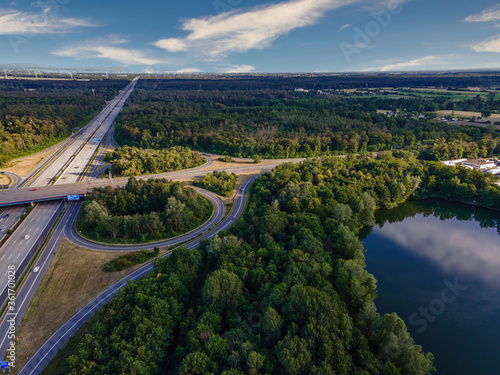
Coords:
pixel 389 92
pixel 74 278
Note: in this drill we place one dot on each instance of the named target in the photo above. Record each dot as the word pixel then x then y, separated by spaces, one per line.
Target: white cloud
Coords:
pixel 238 69
pixel 422 63
pixel 215 36
pixel 106 49
pixel 14 22
pixel 189 70
pixel 490 45
pixel 487 15
pixel 345 26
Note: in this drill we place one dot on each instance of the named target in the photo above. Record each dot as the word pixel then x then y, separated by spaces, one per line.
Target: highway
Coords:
pixel 11 215
pixel 42 357
pixel 57 191
pixel 14 214
pixel 69 162
pixel 62 174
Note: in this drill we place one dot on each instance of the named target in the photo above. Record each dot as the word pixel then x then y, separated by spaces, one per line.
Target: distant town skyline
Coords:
pixel 240 36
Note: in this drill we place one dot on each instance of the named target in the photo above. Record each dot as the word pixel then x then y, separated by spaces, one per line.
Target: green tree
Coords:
pixel 223 288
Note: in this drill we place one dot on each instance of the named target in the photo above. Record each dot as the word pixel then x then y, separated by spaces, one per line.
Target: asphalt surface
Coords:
pixel 24 195
pixel 49 349
pixel 26 293
pixel 72 236
pixel 79 153
pixel 69 163
pixel 14 214
pixel 18 248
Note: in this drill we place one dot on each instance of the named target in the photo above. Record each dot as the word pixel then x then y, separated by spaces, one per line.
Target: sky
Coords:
pixel 241 36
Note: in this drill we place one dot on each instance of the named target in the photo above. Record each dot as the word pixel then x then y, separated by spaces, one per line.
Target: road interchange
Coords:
pixel 76 174
pixel 42 357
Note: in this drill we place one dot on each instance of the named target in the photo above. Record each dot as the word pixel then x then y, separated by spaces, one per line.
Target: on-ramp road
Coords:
pixel 72 236
pixel 42 357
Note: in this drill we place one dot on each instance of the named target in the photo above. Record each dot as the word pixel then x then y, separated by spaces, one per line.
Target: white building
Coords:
pixel 479 164
pixel 495 171
pixel 453 163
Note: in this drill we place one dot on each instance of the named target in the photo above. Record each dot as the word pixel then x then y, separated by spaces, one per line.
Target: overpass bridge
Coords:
pixel 58 192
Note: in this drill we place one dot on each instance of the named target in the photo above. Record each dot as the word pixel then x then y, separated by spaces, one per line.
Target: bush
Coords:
pixel 129 260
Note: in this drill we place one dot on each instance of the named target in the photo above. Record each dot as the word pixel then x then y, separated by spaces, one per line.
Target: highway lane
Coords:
pixel 24 195
pixel 17 250
pixel 42 357
pixel 70 154
pixel 78 165
pixel 95 169
pixel 26 293
pixel 6 223
pixel 72 236
pixel 16 253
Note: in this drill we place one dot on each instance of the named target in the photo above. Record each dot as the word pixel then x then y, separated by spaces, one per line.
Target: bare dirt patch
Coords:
pixel 24 166
pixel 74 278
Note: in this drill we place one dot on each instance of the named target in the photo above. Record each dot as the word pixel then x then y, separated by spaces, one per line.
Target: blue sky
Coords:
pixel 252 35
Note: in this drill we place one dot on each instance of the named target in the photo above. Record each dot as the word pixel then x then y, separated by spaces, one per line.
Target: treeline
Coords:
pixel 287 124
pixel 33 120
pixel 325 81
pixel 285 291
pixel 142 211
pixel 220 182
pixel 132 161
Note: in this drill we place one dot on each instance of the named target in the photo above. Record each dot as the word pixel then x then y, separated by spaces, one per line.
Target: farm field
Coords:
pixel 466 114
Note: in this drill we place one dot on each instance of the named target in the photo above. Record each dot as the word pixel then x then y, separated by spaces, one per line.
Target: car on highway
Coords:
pixel 34 189
pixel 27 237
pixel 36 269
pixel 3 229
pixel 6 216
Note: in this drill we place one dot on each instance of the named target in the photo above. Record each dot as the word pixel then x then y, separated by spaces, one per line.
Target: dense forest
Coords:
pixel 285 290
pixel 132 161
pixel 35 115
pixel 288 124
pixel 142 211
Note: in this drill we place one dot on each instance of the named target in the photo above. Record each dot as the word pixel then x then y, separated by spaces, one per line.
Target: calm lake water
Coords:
pixel 438 267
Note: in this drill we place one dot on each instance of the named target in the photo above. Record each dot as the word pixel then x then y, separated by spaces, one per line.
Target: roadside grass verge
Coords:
pixel 75 276
pixel 24 166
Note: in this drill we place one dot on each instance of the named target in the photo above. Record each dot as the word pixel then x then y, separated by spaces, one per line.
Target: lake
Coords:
pixel 438 267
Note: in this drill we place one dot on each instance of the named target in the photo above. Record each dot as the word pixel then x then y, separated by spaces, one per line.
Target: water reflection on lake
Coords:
pixel 416 251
